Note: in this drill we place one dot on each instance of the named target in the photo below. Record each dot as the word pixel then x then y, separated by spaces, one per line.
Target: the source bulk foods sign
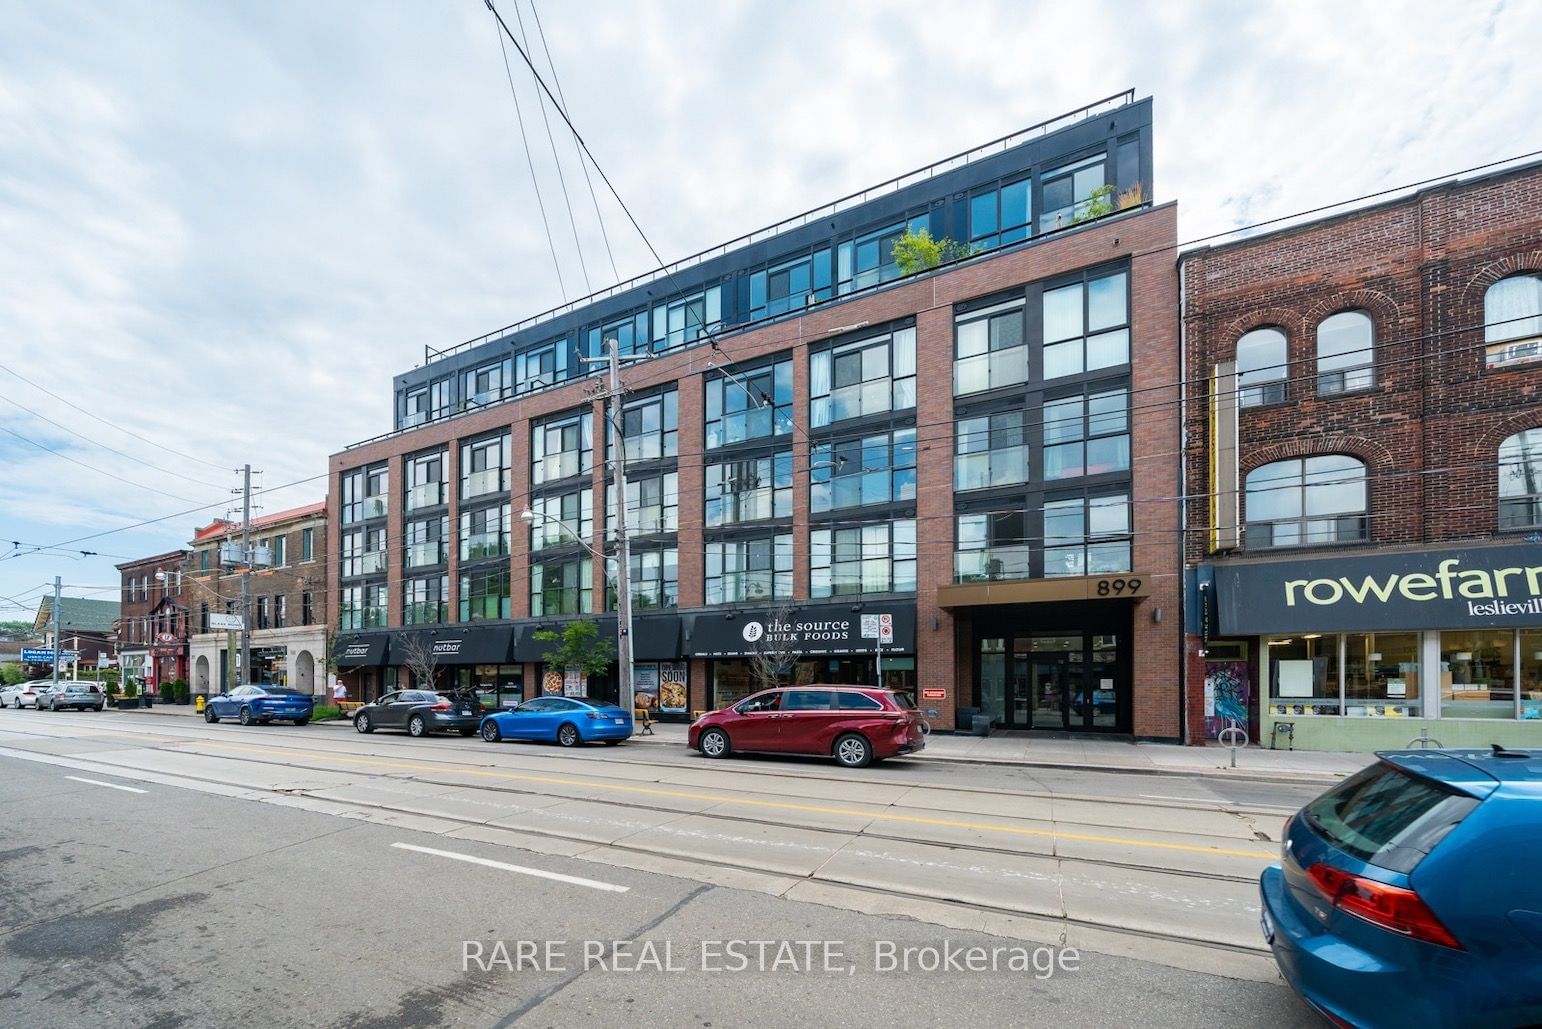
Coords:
pixel 1444 589
pixel 813 630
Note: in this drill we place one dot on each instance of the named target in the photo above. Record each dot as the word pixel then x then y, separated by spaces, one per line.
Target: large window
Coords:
pixel 484 466
pixel 688 319
pixel 1306 501
pixel 363 494
pixel 788 285
pixel 441 399
pixel 484 594
pixel 652 505
pixel 426 601
pixel 1512 321
pixel 991 450
pixel 749 570
pixel 1068 192
pixel 1086 434
pixel 1261 367
pixel 1087 326
pixel 1520 480
pixel 484 533
pixel 414 407
pixel 1087 535
pixel 877 558
pixel 875 469
pixel 869 259
pixel 630 334
pixel 363 552
pixel 488 384
pixel 561 448
pixel 650 426
pixel 655 579
pixel 990 349
pixel 1345 347
pixel 866 377
pixel 993 545
pixel 1001 216
pixel 754 404
pixel 559 517
pixel 427 542
pixel 541 366
pixel 563 587
pixel 425 481
pixel 749 490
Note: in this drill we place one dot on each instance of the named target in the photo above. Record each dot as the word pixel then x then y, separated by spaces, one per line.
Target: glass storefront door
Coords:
pixel 1067 680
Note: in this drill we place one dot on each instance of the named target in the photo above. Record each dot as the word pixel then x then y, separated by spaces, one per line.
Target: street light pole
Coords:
pixel 246 576
pixel 623 551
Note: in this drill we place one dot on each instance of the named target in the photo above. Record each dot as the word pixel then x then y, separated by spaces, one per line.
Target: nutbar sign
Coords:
pixel 1436 589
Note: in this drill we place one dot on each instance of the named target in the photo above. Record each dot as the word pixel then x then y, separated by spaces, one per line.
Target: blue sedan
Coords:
pixel 1409 894
pixel 263 704
pixel 566 721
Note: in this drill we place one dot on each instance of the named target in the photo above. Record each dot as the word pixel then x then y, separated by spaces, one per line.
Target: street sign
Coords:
pixel 45 656
pixel 225 622
pixel 878 627
pixel 934 694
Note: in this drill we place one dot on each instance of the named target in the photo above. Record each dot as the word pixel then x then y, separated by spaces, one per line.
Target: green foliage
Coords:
pixel 326 713
pixel 11 674
pixel 179 690
pixel 15 630
pixel 918 251
pixel 580 646
pixel 110 687
pixel 1099 203
pixel 130 691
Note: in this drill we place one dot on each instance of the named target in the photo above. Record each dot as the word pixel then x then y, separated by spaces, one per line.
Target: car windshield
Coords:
pixel 1387 817
pixel 280 691
pixel 903 701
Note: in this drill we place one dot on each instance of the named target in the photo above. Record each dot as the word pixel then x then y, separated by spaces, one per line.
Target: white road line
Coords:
pixel 521 869
pixel 1191 800
pixel 109 785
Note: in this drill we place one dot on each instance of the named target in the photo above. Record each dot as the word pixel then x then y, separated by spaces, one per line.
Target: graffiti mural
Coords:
pixel 1226 695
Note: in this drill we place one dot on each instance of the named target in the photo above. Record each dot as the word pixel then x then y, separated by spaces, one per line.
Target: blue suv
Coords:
pixel 1411 893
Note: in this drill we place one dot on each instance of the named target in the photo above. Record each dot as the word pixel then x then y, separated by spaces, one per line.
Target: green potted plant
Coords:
pixel 110 688
pixel 130 697
pixel 179 690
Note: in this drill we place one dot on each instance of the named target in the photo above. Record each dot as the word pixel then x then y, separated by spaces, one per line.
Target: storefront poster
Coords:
pixel 572 683
pixel 551 682
pixel 1226 696
pixel 645 686
pixel 674 696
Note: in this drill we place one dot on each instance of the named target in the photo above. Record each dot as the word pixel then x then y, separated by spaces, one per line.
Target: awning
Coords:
pixel 655 637
pixel 806 629
pixel 456 645
pixel 360 650
pixel 1045 591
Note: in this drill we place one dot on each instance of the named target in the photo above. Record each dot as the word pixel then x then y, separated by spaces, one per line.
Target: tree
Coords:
pixel 579 645
pixel 12 673
pixel 918 251
pixel 777 651
pixel 419 657
pixel 12 630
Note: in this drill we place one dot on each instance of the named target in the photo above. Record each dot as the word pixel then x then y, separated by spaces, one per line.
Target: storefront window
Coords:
pixel 1304 675
pixel 1477 674
pixel 1531 675
pixel 498 687
pixel 1382 674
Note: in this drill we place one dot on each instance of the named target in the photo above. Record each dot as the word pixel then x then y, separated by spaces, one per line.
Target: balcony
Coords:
pixel 992 564
pixel 477 545
pixel 431 552
pixel 429 494
pixel 489 480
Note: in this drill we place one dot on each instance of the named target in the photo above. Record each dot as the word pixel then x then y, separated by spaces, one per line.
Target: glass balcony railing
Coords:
pixel 990 564
pixel 483 544
pixel 430 552
pixel 489 480
pixel 429 494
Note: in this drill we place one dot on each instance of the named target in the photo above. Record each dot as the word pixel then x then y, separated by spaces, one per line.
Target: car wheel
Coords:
pixel 209 715
pixel 714 743
pixel 302 721
pixel 100 707
pixel 490 731
pixel 853 751
pixel 416 726
pixel 468 732
pixel 567 735
pixel 246 716
pixel 362 723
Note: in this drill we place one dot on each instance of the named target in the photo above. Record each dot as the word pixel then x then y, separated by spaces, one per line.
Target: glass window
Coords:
pixel 542 366
pixel 1477 674
pixel 993 545
pixel 655 578
pixel 488 384
pixel 857 472
pixel 1382 674
pixel 790 285
pixel 650 426
pixel 1070 193
pixel 686 320
pixel 441 399
pixel 1384 816
pixel 307 547
pixel 1530 675
pixel 1086 326
pixel 562 448
pixel 1520 480
pixel 990 450
pixel 1512 321
pixel 749 490
pixel 484 594
pixel 862 378
pixel 363 552
pixel 485 466
pixel 564 587
pixel 1345 348
pixel 414 407
pixel 989 349
pixel 1306 501
pixel 869 259
pixel 557 518
pixel 754 404
pixel 374 606
pixel 1087 535
pixel 878 558
pixel 1261 368
pixel 1001 216
pixel 426 542
pixel 377 482
pixel 630 334
pixel 1303 674
pixel 426 601
pixel 425 481
pixel 652 505
pixel 749 569
pixel 1086 434
pixel 484 532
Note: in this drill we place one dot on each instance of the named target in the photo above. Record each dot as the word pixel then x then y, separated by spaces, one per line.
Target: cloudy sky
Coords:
pixel 224 226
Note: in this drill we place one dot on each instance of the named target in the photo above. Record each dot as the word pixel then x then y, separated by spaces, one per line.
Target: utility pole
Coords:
pixel 246 576
pixel 54 616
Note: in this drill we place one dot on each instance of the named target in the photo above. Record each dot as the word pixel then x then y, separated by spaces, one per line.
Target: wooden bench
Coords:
pixel 348 707
pixel 644 722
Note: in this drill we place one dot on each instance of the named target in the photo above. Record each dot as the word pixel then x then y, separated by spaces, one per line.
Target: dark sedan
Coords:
pixel 420 712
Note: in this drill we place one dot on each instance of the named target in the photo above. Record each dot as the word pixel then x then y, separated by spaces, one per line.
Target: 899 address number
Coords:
pixel 1119 587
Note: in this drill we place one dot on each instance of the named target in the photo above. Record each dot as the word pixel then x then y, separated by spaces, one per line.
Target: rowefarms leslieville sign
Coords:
pixel 1439 589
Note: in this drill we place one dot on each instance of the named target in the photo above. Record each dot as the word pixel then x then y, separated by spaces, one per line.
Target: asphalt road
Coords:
pixel 172 907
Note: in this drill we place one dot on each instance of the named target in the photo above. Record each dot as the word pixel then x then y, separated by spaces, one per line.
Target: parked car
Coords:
pixel 856 725
pixel 420 712
pixel 22 694
pixel 263 704
pixel 566 721
pixel 72 694
pixel 1408 894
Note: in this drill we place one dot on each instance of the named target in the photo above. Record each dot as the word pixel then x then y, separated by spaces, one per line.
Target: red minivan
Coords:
pixel 856 725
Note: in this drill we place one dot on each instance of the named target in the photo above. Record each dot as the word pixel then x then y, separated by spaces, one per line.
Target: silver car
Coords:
pixel 22 694
pixel 81 695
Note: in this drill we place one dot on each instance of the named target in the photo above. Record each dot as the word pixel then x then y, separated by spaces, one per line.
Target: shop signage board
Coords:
pixel 1472 587
pixel 225 622
pixel 45 656
pixel 934 694
pixel 813 630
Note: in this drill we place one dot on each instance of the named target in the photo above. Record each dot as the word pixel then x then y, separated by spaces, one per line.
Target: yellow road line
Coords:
pixel 777 805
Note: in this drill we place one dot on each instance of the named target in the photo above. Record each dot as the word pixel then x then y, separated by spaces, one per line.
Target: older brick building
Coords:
pixel 152 631
pixel 987 452
pixel 1364 458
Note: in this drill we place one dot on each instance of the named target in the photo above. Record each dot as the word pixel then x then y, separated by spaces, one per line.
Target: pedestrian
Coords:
pixel 339 693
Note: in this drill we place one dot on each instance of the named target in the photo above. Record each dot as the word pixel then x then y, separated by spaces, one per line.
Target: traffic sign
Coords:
pixel 878 627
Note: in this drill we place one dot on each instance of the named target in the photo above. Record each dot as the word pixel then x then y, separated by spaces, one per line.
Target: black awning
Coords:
pixel 656 638
pixel 805 629
pixel 456 645
pixel 360 650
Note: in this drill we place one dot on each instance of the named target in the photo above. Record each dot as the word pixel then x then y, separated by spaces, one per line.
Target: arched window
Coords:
pixel 1520 480
pixel 1306 501
pixel 1512 321
pixel 1261 367
pixel 1344 353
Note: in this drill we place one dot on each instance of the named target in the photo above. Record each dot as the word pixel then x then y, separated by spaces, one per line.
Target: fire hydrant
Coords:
pixel 199 703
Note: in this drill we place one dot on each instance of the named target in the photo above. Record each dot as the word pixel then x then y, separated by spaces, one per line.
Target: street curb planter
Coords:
pixel 125 703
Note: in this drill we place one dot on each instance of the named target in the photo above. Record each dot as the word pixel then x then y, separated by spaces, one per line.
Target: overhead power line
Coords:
pixel 92 468
pixel 551 243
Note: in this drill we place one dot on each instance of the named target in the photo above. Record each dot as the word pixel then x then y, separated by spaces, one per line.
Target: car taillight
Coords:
pixel 1391 907
pixel 591 714
pixel 445 706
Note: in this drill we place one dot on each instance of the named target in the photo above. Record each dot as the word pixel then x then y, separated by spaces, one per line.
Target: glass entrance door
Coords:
pixel 1066 681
